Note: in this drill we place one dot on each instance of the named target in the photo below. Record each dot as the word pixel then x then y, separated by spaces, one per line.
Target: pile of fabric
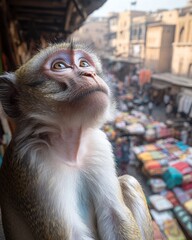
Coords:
pixel 132 123
pixel 168 165
pixel 157 130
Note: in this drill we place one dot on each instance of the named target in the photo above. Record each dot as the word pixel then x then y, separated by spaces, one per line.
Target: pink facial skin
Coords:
pixel 74 67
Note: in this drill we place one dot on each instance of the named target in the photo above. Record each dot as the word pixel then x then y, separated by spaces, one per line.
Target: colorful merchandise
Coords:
pixel 170 196
pixel 188 206
pixel 184 219
pixel 181 195
pixel 157 185
pixel 160 203
pixel 172 177
pixel 161 217
pixel 173 231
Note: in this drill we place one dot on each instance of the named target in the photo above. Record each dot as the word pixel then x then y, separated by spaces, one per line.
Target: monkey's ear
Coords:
pixel 9 95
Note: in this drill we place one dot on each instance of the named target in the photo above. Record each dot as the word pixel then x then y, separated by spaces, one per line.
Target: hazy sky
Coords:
pixel 146 5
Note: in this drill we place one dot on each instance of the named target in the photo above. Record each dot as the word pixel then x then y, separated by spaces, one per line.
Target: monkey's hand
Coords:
pixel 134 199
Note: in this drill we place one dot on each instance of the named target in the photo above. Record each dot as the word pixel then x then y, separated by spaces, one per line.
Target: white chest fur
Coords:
pixel 74 189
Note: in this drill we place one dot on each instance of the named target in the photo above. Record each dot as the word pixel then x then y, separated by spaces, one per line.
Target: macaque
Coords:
pixel 58 180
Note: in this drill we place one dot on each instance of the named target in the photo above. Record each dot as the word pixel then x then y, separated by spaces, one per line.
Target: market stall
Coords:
pixel 168 165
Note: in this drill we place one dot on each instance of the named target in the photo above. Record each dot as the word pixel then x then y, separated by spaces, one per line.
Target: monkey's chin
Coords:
pixel 96 101
pixel 92 108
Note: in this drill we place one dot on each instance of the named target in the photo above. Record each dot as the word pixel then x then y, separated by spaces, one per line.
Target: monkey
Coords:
pixel 58 179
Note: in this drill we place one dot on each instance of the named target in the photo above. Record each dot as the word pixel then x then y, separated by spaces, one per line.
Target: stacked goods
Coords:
pixel 168 225
pixel 157 185
pixel 168 165
pixel 158 157
pixel 157 130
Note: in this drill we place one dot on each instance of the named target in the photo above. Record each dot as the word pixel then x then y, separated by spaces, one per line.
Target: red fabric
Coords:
pixel 187 186
pixel 144 77
pixel 182 167
pixel 171 197
pixel 152 165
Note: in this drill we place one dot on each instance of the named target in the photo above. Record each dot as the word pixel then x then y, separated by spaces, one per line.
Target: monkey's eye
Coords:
pixel 58 65
pixel 84 63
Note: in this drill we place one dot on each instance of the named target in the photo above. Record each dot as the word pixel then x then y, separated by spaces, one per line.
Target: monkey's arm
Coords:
pixel 14 226
pixel 134 199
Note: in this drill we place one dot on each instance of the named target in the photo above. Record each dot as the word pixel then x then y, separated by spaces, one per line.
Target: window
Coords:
pixel 140 32
pixel 181 34
pixel 190 71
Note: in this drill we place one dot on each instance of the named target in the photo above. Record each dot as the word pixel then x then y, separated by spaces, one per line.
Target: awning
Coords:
pixel 173 79
pixel 160 86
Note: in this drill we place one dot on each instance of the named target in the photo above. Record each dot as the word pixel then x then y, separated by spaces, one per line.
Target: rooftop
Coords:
pixel 51 15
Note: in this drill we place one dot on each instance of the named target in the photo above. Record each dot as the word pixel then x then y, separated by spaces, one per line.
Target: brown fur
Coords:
pixel 59 165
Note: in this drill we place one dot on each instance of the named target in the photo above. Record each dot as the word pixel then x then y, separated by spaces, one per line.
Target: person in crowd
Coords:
pixel 150 108
pixel 135 80
pixel 169 109
pixel 122 106
pixel 185 133
pixel 141 108
pixel 126 81
pixel 166 98
pixel 130 106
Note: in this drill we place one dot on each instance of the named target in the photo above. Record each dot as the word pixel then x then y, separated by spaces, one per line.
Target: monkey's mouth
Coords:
pixel 87 92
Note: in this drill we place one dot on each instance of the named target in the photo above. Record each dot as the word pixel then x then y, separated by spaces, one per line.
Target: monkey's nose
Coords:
pixel 89 74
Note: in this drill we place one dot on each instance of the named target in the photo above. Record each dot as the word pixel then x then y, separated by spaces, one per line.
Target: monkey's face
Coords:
pixel 65 80
pixel 74 77
pixel 74 83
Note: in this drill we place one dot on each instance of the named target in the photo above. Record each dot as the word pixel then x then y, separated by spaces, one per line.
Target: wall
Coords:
pixel 166 48
pixel 123 33
pixel 182 47
pixel 94 32
pixel 153 43
pixel 112 37
pixel 159 47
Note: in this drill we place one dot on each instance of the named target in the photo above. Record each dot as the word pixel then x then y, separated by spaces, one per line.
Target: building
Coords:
pixel 123 32
pixel 189 4
pixel 94 33
pixel 166 16
pixel 138 36
pixel 182 47
pixel 159 41
pixel 112 36
pixel 132 28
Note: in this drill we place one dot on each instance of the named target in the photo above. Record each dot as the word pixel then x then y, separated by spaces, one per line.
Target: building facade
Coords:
pixel 138 36
pixel 166 16
pixel 123 32
pixel 182 47
pixel 139 29
pixel 112 36
pixel 94 33
pixel 159 41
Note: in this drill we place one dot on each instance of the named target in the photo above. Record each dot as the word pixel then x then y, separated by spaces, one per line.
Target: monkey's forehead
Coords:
pixel 36 62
